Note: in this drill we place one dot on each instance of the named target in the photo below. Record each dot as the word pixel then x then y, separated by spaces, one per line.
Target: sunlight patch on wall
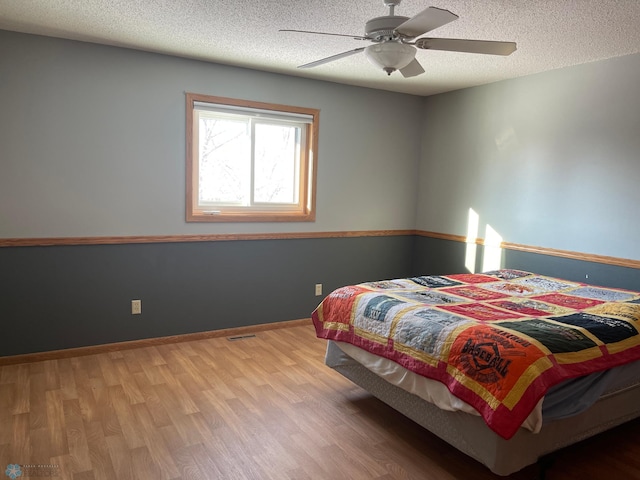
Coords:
pixel 506 139
pixel 492 243
pixel 492 259
pixel 472 235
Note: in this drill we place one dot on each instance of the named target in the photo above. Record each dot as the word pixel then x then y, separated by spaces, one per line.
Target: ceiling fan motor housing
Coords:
pixel 380 29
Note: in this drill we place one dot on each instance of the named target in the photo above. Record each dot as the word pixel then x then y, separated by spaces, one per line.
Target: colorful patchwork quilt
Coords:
pixel 498 340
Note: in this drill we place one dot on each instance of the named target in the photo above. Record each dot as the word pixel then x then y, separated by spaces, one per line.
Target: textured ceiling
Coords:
pixel 550 34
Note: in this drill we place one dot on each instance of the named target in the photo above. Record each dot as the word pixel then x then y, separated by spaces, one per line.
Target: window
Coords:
pixel 250 161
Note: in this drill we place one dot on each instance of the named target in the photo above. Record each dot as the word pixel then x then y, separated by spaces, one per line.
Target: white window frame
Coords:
pixel 306 119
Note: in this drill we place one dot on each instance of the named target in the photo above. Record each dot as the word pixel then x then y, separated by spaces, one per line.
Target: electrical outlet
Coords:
pixel 318 289
pixel 136 307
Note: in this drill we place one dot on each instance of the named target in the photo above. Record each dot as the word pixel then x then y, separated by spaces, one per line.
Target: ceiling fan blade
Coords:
pixel 332 58
pixel 468 46
pixel 425 21
pixel 355 37
pixel 412 70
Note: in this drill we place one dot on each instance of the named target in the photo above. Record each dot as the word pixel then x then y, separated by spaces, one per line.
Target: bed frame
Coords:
pixel 469 434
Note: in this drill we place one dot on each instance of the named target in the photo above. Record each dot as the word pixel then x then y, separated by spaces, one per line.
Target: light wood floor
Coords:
pixel 255 408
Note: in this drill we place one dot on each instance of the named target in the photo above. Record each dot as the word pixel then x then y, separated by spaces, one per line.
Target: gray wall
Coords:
pixel 62 297
pixel 550 160
pixel 437 256
pixel 92 142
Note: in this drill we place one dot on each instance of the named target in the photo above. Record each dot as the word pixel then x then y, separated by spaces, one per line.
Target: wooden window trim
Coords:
pixel 308 181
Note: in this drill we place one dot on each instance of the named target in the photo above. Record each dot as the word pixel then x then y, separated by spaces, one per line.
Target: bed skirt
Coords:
pixel 469 434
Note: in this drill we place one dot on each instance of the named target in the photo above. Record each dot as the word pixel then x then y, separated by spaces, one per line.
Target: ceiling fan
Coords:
pixel 395 40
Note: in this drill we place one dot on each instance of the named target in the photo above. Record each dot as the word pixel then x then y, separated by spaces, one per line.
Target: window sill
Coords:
pixel 250 217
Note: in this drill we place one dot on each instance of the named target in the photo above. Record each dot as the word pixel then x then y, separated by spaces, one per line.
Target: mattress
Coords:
pixel 499 341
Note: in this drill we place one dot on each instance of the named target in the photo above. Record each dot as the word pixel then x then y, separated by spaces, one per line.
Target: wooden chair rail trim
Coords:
pixel 59 241
pixel 554 252
pixel 90 350
pixel 148 342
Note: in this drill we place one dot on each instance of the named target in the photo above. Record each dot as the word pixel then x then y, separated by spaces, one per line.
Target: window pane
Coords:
pixel 225 160
pixel 276 163
pixel 250 161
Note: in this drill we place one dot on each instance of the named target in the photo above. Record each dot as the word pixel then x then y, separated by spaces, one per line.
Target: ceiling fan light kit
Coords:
pixel 395 41
pixel 390 56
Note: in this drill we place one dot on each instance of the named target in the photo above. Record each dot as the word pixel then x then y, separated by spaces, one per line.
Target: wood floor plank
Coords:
pixel 302 449
pixel 155 406
pixel 180 421
pixel 120 455
pixel 56 424
pixel 174 392
pixel 22 391
pixel 155 444
pixel 220 451
pixel 37 400
pixel 178 356
pixel 67 379
pixel 39 446
pixel 5 453
pixel 152 354
pixel 102 466
pixel 85 391
pixel 91 365
pixel 206 463
pixel 8 373
pixel 219 383
pixel 88 475
pixel 109 370
pixel 127 381
pixel 76 436
pixel 189 468
pixel 166 351
pixel 154 374
pixel 143 465
pixel 7 397
pixel 232 455
pixel 263 407
pixel 126 418
pixel 131 361
pixel 20 451
pixel 63 466
pixel 52 375
pixel 97 405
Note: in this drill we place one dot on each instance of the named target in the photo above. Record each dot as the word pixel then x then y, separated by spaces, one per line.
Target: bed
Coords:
pixel 507 366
